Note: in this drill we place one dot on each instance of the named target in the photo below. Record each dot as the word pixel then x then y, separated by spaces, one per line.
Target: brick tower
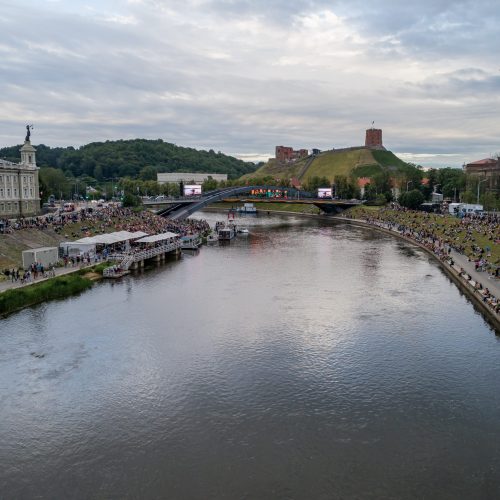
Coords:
pixel 374 138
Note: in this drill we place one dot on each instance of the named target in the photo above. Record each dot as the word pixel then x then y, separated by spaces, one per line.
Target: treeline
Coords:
pixel 136 158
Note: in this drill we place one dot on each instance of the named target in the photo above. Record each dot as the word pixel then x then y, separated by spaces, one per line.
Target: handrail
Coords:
pixel 127 259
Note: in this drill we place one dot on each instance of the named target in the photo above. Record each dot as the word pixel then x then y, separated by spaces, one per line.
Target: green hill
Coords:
pixel 356 162
pixel 104 160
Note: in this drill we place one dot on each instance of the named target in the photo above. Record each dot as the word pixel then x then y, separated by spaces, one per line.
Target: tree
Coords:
pixel 147 174
pixel 370 192
pixel 315 182
pixel 209 185
pixel 54 182
pixel 130 200
pixel 489 201
pixel 345 187
pixel 129 158
pixel 412 199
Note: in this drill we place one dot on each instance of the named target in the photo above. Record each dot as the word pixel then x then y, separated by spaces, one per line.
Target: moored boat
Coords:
pixel 213 237
pixel 227 233
pixel 190 242
pixel 247 208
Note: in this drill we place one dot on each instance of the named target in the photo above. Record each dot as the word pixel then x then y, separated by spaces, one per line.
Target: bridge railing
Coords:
pixel 192 205
pixel 126 259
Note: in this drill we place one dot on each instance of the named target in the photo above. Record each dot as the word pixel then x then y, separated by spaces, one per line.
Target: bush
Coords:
pixel 56 288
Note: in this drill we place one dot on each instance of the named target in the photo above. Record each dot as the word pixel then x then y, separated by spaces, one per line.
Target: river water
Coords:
pixel 307 360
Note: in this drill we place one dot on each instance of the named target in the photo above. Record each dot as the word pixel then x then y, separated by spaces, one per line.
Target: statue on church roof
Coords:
pixel 28 132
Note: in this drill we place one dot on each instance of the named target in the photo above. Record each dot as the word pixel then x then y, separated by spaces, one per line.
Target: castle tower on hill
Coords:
pixel 374 138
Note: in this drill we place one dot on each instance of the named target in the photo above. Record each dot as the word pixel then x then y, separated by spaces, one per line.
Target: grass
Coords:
pixel 388 159
pixel 327 164
pixel 367 170
pixel 276 170
pixel 332 163
pixel 55 288
pixel 99 268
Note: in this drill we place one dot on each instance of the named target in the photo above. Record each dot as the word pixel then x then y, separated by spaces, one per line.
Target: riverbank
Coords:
pixel 71 282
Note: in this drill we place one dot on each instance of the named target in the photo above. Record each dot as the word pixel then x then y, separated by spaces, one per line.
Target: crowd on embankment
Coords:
pixel 476 238
pixel 102 220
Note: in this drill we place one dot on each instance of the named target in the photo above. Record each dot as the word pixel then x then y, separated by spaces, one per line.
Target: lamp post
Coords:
pixel 478 186
pixel 407 184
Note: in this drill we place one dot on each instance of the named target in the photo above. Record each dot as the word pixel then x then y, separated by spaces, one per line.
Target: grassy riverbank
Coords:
pixel 445 227
pixel 272 207
pixel 53 288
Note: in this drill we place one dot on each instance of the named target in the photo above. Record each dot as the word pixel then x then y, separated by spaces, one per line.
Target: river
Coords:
pixel 307 360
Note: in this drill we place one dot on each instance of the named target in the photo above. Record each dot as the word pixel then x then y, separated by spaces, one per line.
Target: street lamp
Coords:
pixel 407 184
pixel 478 186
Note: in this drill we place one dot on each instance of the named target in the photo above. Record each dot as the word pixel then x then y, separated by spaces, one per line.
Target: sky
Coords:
pixel 242 76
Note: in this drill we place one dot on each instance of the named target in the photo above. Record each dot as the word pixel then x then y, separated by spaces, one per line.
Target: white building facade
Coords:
pixel 19 186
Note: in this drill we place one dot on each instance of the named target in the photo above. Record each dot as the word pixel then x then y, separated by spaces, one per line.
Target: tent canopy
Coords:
pixel 157 237
pixel 110 238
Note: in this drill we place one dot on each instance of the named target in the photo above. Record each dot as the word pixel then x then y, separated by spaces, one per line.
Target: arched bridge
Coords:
pixel 182 208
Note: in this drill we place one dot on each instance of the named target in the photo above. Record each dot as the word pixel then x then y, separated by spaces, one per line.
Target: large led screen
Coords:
pixel 192 190
pixel 324 192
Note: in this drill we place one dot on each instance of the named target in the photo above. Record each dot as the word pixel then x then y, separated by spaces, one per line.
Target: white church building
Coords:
pixel 19 188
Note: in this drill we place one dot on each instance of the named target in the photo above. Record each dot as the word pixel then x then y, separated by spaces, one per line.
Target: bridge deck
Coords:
pixel 181 208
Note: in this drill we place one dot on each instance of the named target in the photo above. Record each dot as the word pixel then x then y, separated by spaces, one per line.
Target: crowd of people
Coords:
pixel 34 271
pixel 477 237
pixel 102 220
pixel 90 222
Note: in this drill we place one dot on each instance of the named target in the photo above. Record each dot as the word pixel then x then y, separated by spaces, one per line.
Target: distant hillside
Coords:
pixel 108 159
pixel 358 162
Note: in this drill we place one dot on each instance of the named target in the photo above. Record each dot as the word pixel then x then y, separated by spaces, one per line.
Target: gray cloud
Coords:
pixel 243 76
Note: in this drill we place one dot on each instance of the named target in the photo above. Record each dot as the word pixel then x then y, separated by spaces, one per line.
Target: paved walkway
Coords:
pixel 482 277
pixel 8 285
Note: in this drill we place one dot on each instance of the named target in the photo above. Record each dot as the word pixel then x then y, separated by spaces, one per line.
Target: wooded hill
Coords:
pixel 126 158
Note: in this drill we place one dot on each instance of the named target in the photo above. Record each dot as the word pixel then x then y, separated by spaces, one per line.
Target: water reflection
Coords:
pixel 306 360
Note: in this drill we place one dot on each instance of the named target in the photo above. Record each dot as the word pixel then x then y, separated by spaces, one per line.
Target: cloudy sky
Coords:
pixel 242 76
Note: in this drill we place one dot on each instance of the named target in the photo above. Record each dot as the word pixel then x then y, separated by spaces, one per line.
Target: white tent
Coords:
pixel 157 237
pixel 110 238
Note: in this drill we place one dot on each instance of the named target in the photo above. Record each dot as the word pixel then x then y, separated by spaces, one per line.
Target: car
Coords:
pixel 160 198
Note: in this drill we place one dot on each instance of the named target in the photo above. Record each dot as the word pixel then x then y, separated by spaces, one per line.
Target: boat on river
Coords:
pixel 115 272
pixel 213 237
pixel 247 208
pixel 227 233
pixel 191 242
